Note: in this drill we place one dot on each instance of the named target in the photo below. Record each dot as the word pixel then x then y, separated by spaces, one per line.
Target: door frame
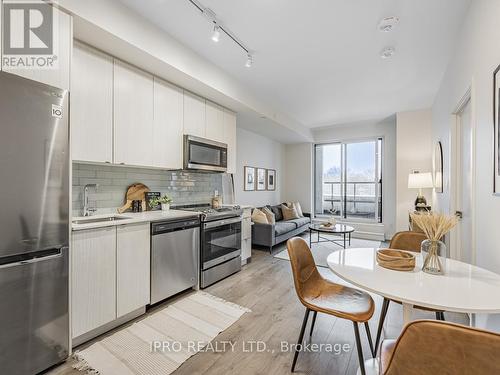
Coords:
pixel 455 171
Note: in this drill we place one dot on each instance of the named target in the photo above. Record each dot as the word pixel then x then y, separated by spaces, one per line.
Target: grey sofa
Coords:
pixel 269 235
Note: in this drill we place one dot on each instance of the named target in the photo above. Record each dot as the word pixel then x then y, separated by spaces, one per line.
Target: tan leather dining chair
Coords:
pixel 409 241
pixel 429 347
pixel 320 295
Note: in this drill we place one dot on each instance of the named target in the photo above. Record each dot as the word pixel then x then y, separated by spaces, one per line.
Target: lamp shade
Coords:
pixel 420 180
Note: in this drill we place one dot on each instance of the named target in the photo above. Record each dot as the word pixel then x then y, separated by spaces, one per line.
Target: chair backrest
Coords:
pixel 303 266
pixel 409 241
pixel 429 347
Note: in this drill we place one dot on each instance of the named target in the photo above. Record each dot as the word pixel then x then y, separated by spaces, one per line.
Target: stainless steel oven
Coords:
pixel 220 249
pixel 204 154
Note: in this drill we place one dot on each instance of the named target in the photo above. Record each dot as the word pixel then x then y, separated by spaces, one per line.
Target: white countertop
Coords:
pixel 133 218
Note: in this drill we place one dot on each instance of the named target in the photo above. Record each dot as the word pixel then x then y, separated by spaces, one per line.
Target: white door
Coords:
pixel 132 268
pixel 93 279
pixel 133 115
pixel 463 185
pixel 91 105
pixel 167 141
pixel 194 115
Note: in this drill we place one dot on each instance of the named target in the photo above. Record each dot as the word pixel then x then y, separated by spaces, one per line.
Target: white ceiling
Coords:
pixel 318 61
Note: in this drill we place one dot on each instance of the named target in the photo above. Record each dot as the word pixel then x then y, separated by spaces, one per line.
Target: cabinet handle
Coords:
pixel 107 162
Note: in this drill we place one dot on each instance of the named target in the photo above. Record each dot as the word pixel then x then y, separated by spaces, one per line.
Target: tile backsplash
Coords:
pixel 185 187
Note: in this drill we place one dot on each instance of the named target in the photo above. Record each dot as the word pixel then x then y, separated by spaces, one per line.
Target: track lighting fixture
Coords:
pixel 216 33
pixel 249 62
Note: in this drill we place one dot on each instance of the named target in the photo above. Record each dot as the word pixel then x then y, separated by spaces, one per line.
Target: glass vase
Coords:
pixel 434 255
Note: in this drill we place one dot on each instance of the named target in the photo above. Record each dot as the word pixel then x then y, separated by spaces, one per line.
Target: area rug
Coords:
pixel 161 342
pixel 321 251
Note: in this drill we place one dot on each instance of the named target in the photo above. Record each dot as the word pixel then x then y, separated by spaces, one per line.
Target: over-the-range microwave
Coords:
pixel 204 154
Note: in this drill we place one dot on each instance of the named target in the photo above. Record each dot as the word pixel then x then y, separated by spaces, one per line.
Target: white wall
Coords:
pixel 299 175
pixel 371 129
pixel 254 150
pixel 476 57
pixel 414 152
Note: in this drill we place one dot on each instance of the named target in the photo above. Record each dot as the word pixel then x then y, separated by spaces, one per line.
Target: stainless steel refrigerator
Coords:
pixel 34 225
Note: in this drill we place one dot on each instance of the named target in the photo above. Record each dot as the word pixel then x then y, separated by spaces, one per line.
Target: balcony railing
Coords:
pixel 360 200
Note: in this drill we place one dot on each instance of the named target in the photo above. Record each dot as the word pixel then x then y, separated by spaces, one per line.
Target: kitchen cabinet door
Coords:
pixel 60 75
pixel 215 122
pixel 91 105
pixel 194 115
pixel 167 139
pixel 230 139
pixel 132 267
pixel 133 115
pixel 93 279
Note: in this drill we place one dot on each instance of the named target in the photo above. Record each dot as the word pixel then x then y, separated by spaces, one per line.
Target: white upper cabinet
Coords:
pixel 215 122
pixel 1 28
pixel 167 141
pixel 230 139
pixel 91 105
pixel 133 115
pixel 194 115
pixel 63 40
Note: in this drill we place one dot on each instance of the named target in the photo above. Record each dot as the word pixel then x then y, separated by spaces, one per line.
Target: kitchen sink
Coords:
pixel 100 219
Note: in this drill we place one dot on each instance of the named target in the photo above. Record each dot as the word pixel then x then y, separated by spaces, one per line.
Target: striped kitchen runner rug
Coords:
pixel 161 342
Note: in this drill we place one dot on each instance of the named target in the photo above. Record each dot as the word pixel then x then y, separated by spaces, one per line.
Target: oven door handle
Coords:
pixel 219 223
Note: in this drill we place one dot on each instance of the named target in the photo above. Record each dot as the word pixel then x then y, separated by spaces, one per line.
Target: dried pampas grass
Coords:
pixel 434 225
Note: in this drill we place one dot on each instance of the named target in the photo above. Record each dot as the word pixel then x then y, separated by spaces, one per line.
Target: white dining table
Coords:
pixel 463 288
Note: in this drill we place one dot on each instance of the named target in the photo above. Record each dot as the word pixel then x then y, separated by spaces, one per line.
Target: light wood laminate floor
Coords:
pixel 266 287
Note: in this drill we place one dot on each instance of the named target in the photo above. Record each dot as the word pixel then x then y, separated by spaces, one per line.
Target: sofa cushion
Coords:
pixel 300 221
pixel 282 227
pixel 289 213
pixel 278 214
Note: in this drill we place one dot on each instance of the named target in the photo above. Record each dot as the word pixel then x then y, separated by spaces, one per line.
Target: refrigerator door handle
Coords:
pixel 36 257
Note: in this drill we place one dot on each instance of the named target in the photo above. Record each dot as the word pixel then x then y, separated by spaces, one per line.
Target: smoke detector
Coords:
pixel 387 24
pixel 387 52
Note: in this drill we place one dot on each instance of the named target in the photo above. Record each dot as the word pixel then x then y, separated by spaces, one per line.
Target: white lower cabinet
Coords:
pixel 246 236
pixel 93 279
pixel 132 268
pixel 109 275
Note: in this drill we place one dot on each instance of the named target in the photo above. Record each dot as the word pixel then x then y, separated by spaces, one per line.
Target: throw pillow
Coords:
pixel 289 213
pixel 269 214
pixel 259 217
pixel 278 214
pixel 297 207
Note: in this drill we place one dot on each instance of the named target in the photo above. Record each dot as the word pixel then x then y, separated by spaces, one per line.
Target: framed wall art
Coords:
pixel 271 179
pixel 261 179
pixel 249 173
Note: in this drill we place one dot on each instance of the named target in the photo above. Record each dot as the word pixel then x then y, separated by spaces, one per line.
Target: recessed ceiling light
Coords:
pixel 387 24
pixel 387 52
pixel 216 33
pixel 249 62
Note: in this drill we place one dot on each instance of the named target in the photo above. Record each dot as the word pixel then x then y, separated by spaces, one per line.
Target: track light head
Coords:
pixel 249 62
pixel 216 33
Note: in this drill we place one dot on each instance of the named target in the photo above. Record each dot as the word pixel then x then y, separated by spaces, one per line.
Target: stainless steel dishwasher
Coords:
pixel 175 252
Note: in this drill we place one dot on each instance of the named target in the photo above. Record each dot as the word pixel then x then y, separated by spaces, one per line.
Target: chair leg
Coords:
pixel 383 313
pixel 359 349
pixel 313 322
pixel 270 250
pixel 369 335
pixel 301 336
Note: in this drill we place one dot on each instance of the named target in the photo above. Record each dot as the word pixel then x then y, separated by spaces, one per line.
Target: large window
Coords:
pixel 348 180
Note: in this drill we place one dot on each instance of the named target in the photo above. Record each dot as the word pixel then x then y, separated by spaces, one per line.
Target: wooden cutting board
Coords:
pixel 135 192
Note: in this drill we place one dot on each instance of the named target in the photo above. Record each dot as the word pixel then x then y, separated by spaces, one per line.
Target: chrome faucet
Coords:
pixel 88 211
